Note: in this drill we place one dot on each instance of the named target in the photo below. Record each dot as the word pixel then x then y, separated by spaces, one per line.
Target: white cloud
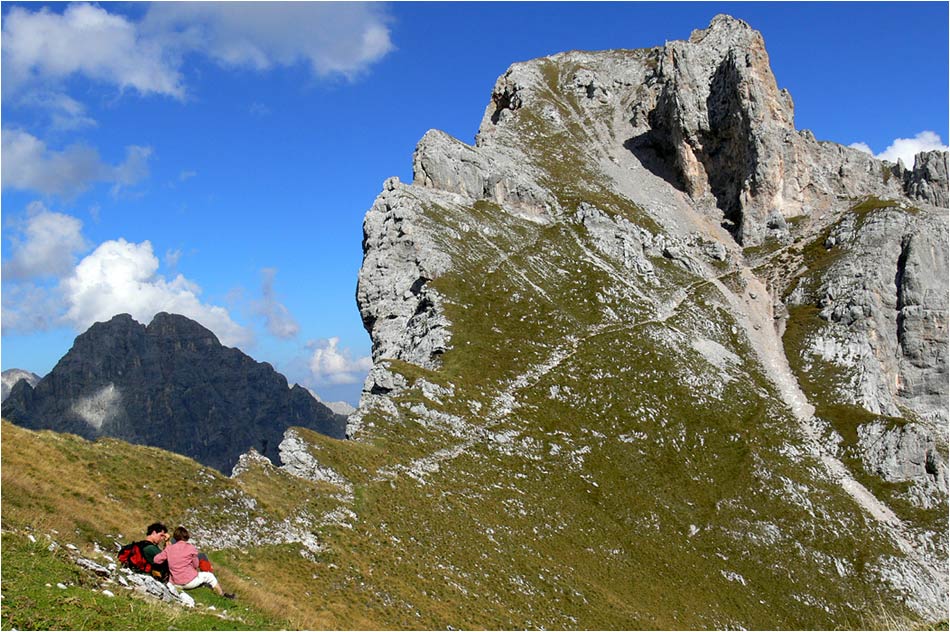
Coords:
pixel 330 365
pixel 333 37
pixel 905 149
pixel 135 167
pixel 29 165
pixel 44 46
pixel 117 277
pixel 121 277
pixel 45 244
pixel 277 317
pixel 65 113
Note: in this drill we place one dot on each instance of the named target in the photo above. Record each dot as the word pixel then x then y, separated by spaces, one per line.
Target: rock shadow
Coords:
pixel 654 153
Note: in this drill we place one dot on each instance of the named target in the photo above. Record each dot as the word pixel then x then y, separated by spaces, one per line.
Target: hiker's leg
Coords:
pixel 197 581
pixel 210 580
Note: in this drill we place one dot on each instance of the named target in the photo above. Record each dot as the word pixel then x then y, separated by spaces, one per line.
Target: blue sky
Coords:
pixel 217 160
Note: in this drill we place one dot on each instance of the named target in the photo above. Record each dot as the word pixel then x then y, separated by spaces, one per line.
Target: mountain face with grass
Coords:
pixel 660 337
pixel 170 384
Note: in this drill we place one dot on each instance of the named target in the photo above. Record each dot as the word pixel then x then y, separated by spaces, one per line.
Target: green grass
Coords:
pixel 30 604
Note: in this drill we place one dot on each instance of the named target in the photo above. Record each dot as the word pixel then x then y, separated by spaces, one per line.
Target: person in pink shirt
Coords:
pixel 182 558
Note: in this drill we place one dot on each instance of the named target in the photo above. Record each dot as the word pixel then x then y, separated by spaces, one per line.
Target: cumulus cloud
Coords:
pixel 44 287
pixel 332 37
pixel 331 365
pixel 122 277
pixel 28 164
pixel 44 46
pixel 45 244
pixel 277 317
pixel 905 149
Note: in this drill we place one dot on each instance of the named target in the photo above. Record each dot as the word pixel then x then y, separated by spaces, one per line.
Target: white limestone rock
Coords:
pixel 298 459
pixel 251 458
pixel 400 310
pixel 905 454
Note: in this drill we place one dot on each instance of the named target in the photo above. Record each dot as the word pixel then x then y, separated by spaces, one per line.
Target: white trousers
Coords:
pixel 203 578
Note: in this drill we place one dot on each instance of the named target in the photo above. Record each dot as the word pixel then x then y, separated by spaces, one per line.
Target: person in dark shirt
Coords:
pixel 156 534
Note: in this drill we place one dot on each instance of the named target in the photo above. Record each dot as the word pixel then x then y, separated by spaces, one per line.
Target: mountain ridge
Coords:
pixel 170 384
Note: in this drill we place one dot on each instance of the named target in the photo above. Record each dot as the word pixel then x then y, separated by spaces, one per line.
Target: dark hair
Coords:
pixel 181 533
pixel 156 527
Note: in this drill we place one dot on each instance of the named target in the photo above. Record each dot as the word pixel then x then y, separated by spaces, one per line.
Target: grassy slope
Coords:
pixel 84 493
pixel 32 601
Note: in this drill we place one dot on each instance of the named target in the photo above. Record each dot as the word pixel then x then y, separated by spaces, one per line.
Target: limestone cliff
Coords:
pixel 641 267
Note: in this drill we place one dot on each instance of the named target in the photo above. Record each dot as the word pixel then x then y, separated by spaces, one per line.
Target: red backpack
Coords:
pixel 204 564
pixel 132 556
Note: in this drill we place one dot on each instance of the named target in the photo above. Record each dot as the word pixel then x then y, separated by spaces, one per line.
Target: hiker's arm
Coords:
pixel 162 556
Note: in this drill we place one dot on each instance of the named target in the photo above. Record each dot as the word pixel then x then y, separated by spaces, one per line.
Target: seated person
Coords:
pixel 156 534
pixel 182 559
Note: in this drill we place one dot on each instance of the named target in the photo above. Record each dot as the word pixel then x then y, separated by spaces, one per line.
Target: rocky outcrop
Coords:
pixel 444 163
pixel 730 130
pixel 881 337
pixel 171 385
pixel 723 117
pixel 905 454
pixel 927 181
pixel 299 461
pixel 400 310
pixel 250 460
pixel 884 299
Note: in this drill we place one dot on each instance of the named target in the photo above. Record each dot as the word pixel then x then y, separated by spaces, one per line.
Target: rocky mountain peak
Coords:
pixel 706 114
pixel 641 248
pixel 180 328
pixel 170 384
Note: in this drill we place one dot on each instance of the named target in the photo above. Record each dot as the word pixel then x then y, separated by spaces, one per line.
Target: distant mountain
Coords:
pixel 12 376
pixel 340 408
pixel 171 385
